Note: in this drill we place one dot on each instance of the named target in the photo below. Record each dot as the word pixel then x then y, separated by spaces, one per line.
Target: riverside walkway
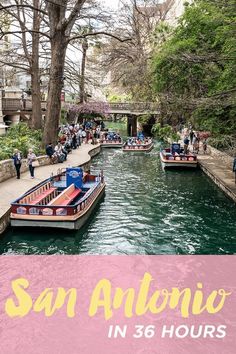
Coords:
pixel 219 169
pixel 13 188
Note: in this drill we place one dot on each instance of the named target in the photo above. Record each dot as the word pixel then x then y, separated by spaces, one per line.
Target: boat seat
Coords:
pixel 41 196
pixel 66 197
pixel 71 197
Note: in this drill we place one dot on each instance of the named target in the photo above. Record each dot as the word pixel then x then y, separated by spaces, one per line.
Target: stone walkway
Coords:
pixel 13 188
pixel 220 172
pixel 218 166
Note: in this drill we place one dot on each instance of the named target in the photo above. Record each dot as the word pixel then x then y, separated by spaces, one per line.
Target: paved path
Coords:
pixel 221 173
pixel 13 188
pixel 219 170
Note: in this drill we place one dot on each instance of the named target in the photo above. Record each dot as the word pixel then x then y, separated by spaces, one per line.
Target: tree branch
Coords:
pixel 90 34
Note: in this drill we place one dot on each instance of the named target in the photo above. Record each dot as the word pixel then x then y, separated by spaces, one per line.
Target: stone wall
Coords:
pixel 225 158
pixel 7 168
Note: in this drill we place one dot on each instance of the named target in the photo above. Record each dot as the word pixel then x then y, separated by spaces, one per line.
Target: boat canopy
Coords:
pixel 74 176
pixel 175 148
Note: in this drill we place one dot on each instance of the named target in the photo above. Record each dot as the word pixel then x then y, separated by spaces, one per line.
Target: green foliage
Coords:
pixel 224 142
pixel 144 119
pixel 114 98
pixel 164 133
pixel 20 137
pixel 196 67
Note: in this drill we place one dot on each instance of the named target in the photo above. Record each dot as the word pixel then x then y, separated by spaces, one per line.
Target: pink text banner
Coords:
pixel 117 304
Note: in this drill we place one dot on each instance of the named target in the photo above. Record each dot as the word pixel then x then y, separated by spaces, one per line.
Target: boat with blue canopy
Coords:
pixel 65 201
pixel 111 139
pixel 175 157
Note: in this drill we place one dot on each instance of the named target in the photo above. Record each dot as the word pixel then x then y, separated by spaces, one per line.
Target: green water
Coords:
pixel 145 211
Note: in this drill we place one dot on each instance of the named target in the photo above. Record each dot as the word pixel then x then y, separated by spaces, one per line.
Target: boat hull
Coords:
pixel 111 145
pixel 147 149
pixel 70 223
pixel 177 164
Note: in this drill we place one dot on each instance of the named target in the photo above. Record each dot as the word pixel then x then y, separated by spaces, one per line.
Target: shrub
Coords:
pixel 20 137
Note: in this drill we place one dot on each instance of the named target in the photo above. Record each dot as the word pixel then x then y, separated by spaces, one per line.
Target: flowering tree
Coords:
pixel 100 108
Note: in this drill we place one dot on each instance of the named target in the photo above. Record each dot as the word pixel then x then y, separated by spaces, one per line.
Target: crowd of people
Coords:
pixel 193 139
pixel 137 141
pixel 111 136
pixel 70 137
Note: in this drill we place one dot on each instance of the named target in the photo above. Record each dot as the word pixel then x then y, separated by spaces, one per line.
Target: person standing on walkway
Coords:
pixel 191 136
pixel 204 145
pixel 17 157
pixel 234 169
pixel 31 157
pixel 186 144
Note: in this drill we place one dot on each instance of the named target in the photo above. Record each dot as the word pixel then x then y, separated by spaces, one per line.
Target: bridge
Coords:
pixel 13 110
pixel 133 108
pixel 13 105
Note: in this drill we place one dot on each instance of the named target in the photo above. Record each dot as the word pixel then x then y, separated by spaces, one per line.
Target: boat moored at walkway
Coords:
pixel 64 201
pixel 136 145
pixel 111 140
pixel 174 157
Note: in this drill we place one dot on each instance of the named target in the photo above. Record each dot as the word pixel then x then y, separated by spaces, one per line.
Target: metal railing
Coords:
pixel 135 106
pixel 16 104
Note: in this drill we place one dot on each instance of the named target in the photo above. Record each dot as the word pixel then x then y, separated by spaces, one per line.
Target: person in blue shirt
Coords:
pixel 186 144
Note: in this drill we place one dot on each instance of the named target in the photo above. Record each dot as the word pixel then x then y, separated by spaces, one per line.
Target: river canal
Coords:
pixel 145 211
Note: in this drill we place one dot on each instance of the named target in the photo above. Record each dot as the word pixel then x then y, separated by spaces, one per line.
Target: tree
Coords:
pixel 128 63
pixel 24 56
pixel 194 72
pixel 63 24
pixel 62 19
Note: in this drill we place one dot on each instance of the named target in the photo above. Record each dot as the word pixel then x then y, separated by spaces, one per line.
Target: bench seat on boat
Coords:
pixel 71 197
pixel 41 196
pixel 66 197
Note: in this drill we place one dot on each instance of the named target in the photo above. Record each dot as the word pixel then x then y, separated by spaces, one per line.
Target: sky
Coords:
pixel 111 3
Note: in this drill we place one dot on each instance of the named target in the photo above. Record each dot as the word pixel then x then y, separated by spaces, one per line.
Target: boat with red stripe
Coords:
pixel 65 201
pixel 176 157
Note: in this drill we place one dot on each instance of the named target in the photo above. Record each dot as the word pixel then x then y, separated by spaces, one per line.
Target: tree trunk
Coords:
pixel 58 52
pixel 35 76
pixel 83 65
pixel 36 100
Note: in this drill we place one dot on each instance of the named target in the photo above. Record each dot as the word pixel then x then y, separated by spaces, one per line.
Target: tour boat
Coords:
pixel 110 140
pixel 141 146
pixel 174 157
pixel 64 201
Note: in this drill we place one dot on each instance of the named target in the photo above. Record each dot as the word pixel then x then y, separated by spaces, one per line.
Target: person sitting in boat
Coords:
pixel 129 142
pixel 140 136
pixel 118 137
pixel 110 136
